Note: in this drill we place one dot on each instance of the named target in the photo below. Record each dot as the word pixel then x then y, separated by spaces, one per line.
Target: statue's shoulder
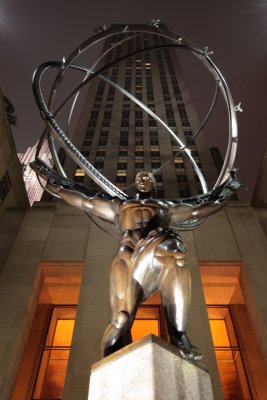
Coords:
pixel 144 202
pixel 159 203
pixel 129 203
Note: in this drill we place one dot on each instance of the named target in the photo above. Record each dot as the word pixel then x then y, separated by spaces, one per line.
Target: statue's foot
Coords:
pixel 110 348
pixel 186 349
pixel 114 339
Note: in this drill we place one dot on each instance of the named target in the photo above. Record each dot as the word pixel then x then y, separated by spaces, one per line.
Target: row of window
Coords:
pixel 139 152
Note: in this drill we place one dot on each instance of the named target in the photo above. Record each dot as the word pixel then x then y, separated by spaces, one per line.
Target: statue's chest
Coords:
pixel 143 215
pixel 138 215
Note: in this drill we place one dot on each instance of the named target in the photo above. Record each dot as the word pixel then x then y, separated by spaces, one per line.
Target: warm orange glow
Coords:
pixel 52 375
pixel 62 282
pixel 229 360
pixel 63 332
pixel 219 333
pixel 53 367
pixel 221 282
pixel 143 327
pixel 232 374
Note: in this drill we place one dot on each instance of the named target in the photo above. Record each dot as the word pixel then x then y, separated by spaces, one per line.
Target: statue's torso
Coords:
pixel 139 217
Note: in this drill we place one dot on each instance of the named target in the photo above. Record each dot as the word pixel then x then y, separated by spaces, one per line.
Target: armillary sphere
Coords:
pixel 49 113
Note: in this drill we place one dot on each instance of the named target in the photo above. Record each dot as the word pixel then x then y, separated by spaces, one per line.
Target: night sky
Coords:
pixel 34 31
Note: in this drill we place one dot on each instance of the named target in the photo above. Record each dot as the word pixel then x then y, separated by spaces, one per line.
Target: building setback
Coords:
pixel 12 191
pixel 58 264
pixel 32 185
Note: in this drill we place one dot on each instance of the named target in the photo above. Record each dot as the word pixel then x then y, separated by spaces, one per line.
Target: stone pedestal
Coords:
pixel 149 369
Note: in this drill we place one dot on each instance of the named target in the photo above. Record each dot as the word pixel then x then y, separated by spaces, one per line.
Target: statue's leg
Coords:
pixel 125 297
pixel 175 287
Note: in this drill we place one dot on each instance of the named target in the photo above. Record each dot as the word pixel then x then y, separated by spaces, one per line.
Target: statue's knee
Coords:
pixel 120 320
pixel 172 253
pixel 179 258
pixel 180 262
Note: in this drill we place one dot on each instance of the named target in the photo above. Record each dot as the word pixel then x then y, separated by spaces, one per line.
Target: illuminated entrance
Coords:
pixel 44 363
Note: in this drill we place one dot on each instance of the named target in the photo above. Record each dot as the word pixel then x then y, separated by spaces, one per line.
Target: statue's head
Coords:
pixel 145 183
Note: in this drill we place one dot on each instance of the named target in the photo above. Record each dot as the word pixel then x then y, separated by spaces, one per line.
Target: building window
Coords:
pixel 152 123
pixel 79 175
pixel 105 123
pixel 138 114
pixel 122 165
pixel 179 162
pixel 139 141
pixel 139 165
pixel 125 123
pixel 101 153
pixel 228 355
pixel 94 114
pixel 124 141
pixel 188 136
pixel 107 114
pixel 121 176
pixel 99 165
pixel 125 114
pixel 52 369
pixel 181 178
pixel 185 192
pixel 147 321
pixel 5 186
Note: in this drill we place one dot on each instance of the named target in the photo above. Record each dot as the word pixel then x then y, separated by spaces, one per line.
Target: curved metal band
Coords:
pixel 67 144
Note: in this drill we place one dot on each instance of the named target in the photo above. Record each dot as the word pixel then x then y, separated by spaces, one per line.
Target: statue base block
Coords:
pixel 149 369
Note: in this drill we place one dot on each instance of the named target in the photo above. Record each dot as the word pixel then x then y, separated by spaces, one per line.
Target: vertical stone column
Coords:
pixel 251 243
pixel 19 291
pixel 198 324
pixel 93 313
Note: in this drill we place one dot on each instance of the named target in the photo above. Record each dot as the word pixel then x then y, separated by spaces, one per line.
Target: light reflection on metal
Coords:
pixel 207 52
pixel 238 108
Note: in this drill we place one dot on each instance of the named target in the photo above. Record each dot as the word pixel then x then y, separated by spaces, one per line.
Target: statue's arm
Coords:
pixel 106 209
pixel 81 197
pixel 213 203
pixel 185 212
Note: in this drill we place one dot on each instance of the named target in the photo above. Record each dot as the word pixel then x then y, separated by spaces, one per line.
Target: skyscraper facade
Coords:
pixel 32 185
pixel 12 191
pixel 121 139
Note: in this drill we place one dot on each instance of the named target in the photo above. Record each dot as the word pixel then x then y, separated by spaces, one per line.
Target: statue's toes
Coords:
pixel 190 353
pixel 196 354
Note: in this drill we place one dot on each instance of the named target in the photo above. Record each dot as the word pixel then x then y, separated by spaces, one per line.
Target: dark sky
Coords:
pixel 34 31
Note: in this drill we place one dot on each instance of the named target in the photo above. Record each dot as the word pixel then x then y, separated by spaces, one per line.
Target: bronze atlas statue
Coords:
pixel 151 254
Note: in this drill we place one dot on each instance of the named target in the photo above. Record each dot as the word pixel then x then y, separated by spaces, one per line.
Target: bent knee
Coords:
pixel 171 247
pixel 180 261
